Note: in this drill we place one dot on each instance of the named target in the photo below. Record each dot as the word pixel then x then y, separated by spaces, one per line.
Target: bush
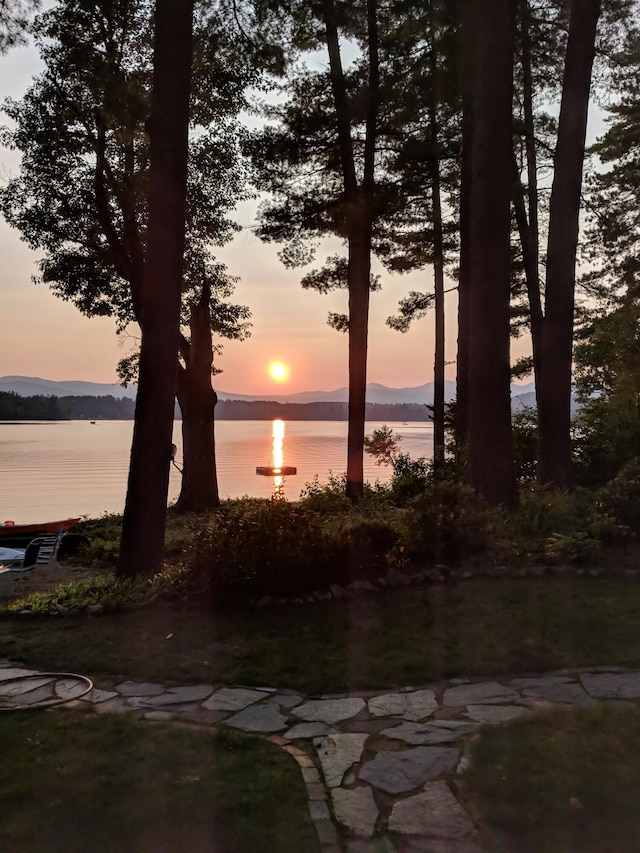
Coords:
pixel 255 547
pixel 572 547
pixel 104 539
pixel 449 521
pixel 620 498
pixel 410 478
pixel 541 511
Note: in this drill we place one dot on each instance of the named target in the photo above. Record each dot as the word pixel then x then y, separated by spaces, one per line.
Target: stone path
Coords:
pixel 376 765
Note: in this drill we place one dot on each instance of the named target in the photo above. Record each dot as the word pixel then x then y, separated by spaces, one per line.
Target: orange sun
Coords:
pixel 278 371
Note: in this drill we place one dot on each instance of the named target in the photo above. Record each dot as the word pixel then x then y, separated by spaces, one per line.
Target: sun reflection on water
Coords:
pixel 277 432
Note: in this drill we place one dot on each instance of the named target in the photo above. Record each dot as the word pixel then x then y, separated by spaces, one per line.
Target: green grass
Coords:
pixel 400 637
pixel 564 782
pixel 73 781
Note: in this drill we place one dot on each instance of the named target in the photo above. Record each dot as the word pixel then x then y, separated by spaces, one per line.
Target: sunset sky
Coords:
pixel 44 336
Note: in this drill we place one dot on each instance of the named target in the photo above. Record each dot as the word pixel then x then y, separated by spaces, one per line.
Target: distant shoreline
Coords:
pixel 15 408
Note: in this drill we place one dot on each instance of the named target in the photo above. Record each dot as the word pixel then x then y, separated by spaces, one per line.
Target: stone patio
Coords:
pixel 378 769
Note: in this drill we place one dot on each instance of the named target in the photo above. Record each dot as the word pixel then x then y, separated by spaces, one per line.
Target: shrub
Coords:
pixel 620 498
pixel 255 547
pixel 449 521
pixel 574 547
pixel 541 511
pixel 410 478
pixel 252 547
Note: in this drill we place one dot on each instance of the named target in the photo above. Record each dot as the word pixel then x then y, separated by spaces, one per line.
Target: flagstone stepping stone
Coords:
pixel 438 731
pixel 25 686
pixel 33 697
pixel 309 730
pixel 483 692
pixel 337 753
pixel 612 685
pixel 371 726
pixel 411 706
pixel 571 693
pixel 329 710
pixel 286 701
pixel 202 717
pixel 260 718
pixel 540 681
pixel 395 772
pixel 233 699
pixel 96 695
pixel 130 688
pixel 182 695
pixel 356 809
pixel 496 713
pixel 434 813
pixel 319 810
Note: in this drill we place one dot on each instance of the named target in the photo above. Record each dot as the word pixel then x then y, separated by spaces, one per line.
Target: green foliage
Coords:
pixel 108 591
pixel 383 445
pixel 448 521
pixel 254 547
pixel 410 477
pixel 621 497
pixel 607 428
pixel 104 539
pixel 326 498
pixel 572 547
pixel 541 511
pixel 525 443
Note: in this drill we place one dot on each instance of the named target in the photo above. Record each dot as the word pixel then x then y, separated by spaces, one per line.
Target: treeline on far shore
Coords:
pixel 14 407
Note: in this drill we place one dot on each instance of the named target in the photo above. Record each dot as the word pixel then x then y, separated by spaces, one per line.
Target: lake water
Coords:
pixel 60 469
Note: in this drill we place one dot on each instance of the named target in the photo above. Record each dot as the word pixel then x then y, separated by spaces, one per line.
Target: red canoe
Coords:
pixel 25 532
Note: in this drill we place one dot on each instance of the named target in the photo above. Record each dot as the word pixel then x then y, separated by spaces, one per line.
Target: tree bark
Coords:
pixel 554 449
pixel 465 50
pixel 358 278
pixel 197 401
pixel 358 203
pixel 490 460
pixel 531 234
pixel 438 257
pixel 142 542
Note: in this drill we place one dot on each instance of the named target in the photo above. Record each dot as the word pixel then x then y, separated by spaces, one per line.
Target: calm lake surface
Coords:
pixel 58 469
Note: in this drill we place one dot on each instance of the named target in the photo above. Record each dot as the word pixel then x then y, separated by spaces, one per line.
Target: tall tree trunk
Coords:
pixel 531 235
pixel 359 278
pixel 438 256
pixel 554 449
pixel 490 445
pixel 466 57
pixel 142 542
pixel 358 200
pixel 197 401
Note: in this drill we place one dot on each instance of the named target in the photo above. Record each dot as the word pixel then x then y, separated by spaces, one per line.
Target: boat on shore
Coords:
pixel 19 535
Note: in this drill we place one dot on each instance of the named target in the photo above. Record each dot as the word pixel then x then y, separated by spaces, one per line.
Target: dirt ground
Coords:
pixel 44 579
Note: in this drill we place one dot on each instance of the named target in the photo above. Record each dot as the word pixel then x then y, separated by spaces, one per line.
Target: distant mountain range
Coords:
pixel 28 386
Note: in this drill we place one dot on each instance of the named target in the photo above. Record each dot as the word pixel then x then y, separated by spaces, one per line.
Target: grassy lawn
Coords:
pixel 408 636
pixel 73 781
pixel 564 782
